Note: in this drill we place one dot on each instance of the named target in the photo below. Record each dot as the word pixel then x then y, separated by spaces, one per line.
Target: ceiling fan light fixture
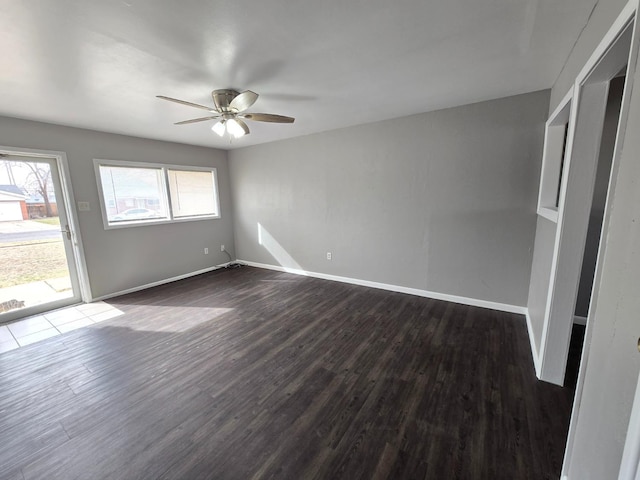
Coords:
pixel 229 111
pixel 234 128
pixel 219 128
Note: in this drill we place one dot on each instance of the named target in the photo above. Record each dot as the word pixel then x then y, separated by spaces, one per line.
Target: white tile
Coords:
pixel 36 337
pixel 106 315
pixel 67 327
pixel 5 334
pixel 94 308
pixel 29 326
pixel 8 345
pixel 60 317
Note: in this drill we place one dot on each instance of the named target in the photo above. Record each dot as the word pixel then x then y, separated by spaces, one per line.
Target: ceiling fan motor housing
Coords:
pixel 222 99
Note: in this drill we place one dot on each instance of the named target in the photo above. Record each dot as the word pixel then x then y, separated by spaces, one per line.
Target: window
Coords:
pixel 127 190
pixel 554 161
pixel 138 194
pixel 191 193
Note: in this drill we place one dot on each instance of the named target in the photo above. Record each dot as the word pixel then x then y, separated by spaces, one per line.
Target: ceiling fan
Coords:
pixel 229 110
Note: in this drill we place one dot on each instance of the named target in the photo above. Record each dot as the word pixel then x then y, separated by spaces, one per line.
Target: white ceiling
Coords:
pixel 99 64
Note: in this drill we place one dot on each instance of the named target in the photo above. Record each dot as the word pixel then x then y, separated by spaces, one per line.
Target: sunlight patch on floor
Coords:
pixel 56 322
pixel 168 318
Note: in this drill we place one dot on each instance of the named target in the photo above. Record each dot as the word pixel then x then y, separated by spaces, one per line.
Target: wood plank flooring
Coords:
pixel 254 374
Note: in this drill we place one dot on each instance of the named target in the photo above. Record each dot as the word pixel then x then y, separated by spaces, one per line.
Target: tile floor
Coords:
pixel 33 329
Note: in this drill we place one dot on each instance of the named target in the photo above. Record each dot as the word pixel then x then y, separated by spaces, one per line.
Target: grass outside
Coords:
pixel 32 261
pixel 49 221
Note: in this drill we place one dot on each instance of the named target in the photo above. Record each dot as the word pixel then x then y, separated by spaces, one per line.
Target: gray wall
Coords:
pixel 611 373
pixel 125 258
pixel 442 201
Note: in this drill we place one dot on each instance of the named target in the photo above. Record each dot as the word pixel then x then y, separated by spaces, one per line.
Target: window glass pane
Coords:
pixel 133 194
pixel 564 152
pixel 192 193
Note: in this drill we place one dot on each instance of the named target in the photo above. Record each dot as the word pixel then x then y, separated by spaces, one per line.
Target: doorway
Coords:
pixel 39 247
pixel 598 119
pixel 599 116
pixel 595 223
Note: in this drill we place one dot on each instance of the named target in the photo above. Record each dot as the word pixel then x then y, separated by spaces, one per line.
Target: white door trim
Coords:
pixel 573 220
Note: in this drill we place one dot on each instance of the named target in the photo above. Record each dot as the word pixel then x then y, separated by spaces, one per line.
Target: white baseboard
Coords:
pixel 394 288
pixel 578 320
pixel 534 350
pixel 160 282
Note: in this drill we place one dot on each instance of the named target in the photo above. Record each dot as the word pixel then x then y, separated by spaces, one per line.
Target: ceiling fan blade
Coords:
pixel 268 117
pixel 195 120
pixel 243 101
pixel 188 104
pixel 244 126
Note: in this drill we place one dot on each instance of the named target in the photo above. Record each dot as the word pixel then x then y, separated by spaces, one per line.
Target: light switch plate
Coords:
pixel 83 206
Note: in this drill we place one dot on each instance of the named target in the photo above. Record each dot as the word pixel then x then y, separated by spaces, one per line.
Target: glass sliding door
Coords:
pixel 38 270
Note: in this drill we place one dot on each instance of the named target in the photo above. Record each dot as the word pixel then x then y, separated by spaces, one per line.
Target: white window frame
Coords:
pixel 98 162
pixel 558 134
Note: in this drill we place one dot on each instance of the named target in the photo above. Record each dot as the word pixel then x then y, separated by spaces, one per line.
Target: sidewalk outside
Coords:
pixel 33 292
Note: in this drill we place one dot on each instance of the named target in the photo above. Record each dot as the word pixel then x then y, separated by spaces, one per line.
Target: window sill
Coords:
pixel 549 214
pixel 163 221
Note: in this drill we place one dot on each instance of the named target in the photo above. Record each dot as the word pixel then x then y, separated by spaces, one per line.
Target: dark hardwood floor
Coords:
pixel 254 374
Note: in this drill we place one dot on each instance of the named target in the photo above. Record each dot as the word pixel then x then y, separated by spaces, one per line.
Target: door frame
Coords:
pixel 68 199
pixel 590 94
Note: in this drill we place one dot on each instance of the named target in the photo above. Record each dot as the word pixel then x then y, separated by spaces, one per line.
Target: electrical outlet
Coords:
pixel 328 255
pixel 206 251
pixel 222 248
pixel 83 206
